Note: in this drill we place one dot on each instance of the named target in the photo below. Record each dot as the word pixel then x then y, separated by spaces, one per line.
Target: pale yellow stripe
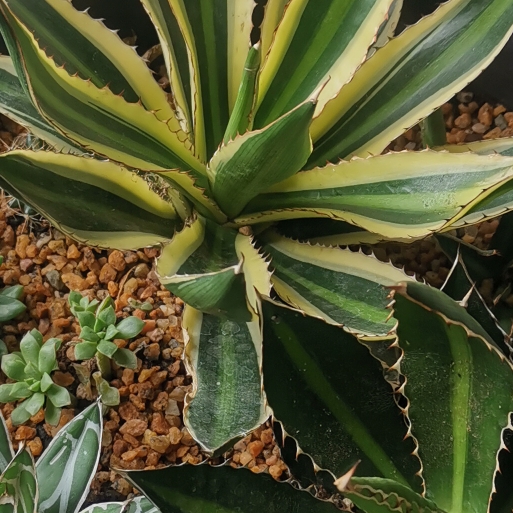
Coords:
pixel 239 31
pixel 181 247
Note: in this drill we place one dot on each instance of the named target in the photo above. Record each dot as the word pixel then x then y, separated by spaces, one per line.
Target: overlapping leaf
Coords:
pixel 94 201
pixel 402 82
pixel 459 418
pixel 395 195
pixel 342 287
pixel 193 488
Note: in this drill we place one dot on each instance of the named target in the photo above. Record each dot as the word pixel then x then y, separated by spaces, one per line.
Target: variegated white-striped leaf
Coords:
pixel 6 450
pixel 69 463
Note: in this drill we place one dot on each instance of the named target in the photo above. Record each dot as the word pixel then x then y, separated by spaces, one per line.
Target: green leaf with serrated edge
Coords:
pixel 130 327
pixel 106 123
pixel 193 488
pixel 15 103
pixel 241 118
pixel 462 288
pixel 85 350
pixel 387 29
pixel 459 414
pixel 342 287
pixel 501 240
pixel 10 308
pixel 69 463
pixel 224 358
pixel 410 76
pixel 377 495
pixel 58 395
pixel 90 50
pixel 21 486
pixel 409 194
pixel 15 291
pixel 176 59
pixel 273 14
pixel 343 395
pixel 66 188
pixel 316 43
pixel 125 358
pixel 6 450
pixel 503 146
pixel 201 266
pixel 13 366
pixel 217 36
pixel 255 161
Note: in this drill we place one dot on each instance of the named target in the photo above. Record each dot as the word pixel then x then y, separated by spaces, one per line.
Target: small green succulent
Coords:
pixel 31 370
pixel 99 329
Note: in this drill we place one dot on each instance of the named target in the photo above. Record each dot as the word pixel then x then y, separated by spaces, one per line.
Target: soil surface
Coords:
pixel 146 430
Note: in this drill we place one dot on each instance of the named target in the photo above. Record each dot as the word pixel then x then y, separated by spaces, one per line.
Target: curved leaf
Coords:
pixel 193 488
pixel 336 402
pixel 224 358
pixel 459 418
pixel 6 450
pixel 69 463
pixel 409 77
pixel 94 201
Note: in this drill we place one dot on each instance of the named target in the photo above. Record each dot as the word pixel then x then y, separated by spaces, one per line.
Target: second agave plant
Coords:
pixel 255 146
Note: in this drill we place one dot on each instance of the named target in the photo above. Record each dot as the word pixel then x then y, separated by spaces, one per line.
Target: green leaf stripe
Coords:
pixel 69 463
pixel 343 288
pixel 194 488
pixel 395 195
pixel 460 456
pixel 318 42
pixel 462 37
pixel 227 398
pixel 342 393
pixel 92 200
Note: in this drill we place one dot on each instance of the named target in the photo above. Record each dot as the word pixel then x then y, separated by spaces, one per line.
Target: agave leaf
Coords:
pixel 67 188
pixel 18 484
pixel 69 463
pixel 193 488
pixel 15 103
pixel 387 29
pixel 459 418
pixel 504 146
pixel 343 395
pixel 217 36
pixel 273 14
pixel 201 266
pixel 339 286
pixel 6 450
pixel 241 118
pixel 409 194
pixel 315 43
pixel 435 58
pixel 105 507
pixel 433 130
pixel 141 505
pixel 97 118
pixel 377 495
pixel 224 358
pixel 255 161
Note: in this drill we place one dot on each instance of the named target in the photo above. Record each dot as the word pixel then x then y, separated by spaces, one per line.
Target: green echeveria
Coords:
pixel 31 369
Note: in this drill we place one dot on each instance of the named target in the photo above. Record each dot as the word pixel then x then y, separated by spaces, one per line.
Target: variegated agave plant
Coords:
pixel 60 480
pixel 248 152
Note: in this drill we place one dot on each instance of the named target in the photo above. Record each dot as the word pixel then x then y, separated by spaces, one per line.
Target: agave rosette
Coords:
pixel 255 140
